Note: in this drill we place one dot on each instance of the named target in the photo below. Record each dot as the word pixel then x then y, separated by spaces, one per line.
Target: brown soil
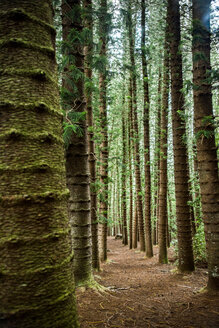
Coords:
pixel 142 293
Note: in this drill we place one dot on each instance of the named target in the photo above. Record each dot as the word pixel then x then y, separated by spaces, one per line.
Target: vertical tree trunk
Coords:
pixel 135 227
pixel 104 132
pixel 130 147
pixel 136 135
pixel 37 283
pixel 204 129
pixel 185 250
pixel 198 206
pixel 157 161
pixel 88 48
pixel 148 236
pixel 77 166
pixel 163 217
pixel 124 174
pixel 114 219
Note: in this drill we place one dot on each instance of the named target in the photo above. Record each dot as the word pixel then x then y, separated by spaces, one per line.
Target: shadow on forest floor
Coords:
pixel 143 293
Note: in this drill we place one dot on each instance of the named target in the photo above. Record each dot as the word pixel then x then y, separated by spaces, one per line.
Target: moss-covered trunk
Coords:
pixel 184 234
pixel 88 49
pixel 204 129
pixel 77 165
pixel 36 278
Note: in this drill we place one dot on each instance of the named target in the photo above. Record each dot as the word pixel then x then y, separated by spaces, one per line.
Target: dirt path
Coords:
pixel 146 294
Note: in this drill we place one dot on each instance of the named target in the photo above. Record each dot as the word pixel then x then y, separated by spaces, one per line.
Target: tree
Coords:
pixel 88 49
pixel 37 285
pixel 157 162
pixel 77 167
pixel 185 251
pixel 124 170
pixel 135 130
pixel 163 216
pixel 103 28
pixel 130 154
pixel 148 236
pixel 205 136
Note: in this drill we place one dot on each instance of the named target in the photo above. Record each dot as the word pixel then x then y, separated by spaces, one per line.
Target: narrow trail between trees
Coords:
pixel 142 293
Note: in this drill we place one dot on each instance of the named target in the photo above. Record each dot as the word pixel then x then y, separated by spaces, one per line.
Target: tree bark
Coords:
pixel 163 216
pixel 130 147
pixel 135 228
pixel 124 170
pixel 185 251
pixel 37 283
pixel 148 236
pixel 104 132
pixel 157 162
pixel 88 52
pixel 204 130
pixel 136 135
pixel 77 166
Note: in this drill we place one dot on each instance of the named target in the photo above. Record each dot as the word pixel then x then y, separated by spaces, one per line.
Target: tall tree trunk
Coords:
pixel 118 197
pixel 148 236
pixel 157 162
pixel 204 129
pixel 77 166
pixel 198 206
pixel 130 147
pixel 135 227
pixel 163 217
pixel 88 49
pixel 124 174
pixel 186 262
pixel 37 283
pixel 104 131
pixel 136 134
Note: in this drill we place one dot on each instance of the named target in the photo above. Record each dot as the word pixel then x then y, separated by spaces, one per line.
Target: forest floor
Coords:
pixel 142 293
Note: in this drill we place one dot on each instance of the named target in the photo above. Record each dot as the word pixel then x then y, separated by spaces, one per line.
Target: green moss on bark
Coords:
pixel 19 14
pixel 19 43
pixel 36 285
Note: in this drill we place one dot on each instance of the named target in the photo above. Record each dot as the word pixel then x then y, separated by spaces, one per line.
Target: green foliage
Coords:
pixel 204 134
pixel 212 76
pixel 74 14
pixel 183 115
pixel 187 86
pixel 199 246
pixel 72 125
pixel 198 56
pixel 90 87
pixel 209 120
pixel 99 63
